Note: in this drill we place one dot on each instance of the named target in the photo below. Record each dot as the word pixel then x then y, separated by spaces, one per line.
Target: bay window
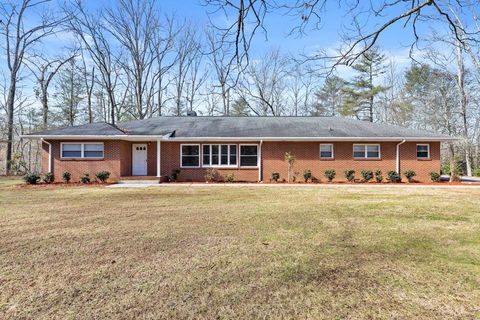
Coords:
pixel 216 155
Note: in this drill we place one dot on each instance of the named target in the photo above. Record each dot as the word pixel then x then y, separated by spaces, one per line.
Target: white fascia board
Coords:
pixel 195 139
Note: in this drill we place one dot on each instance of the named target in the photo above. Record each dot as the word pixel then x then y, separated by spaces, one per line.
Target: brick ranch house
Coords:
pixel 250 147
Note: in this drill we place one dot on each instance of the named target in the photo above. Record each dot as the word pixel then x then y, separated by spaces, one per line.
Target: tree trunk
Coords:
pixel 10 108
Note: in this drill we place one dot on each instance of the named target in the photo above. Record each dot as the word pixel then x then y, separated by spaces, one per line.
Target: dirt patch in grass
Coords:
pixel 203 253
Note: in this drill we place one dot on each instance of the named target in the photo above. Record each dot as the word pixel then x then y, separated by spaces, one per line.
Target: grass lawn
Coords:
pixel 239 253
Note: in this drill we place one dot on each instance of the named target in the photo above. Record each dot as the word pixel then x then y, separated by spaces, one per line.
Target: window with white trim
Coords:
pixel 190 155
pixel 216 155
pixel 423 151
pixel 82 150
pixel 366 151
pixel 248 155
pixel 326 151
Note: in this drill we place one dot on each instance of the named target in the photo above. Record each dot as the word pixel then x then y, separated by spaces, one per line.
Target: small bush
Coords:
pixel 102 176
pixel 350 175
pixel 48 178
pixel 275 176
pixel 315 180
pixel 434 176
pixel 476 172
pixel 85 178
pixel 66 176
pixel 211 175
pixel 378 176
pixel 230 177
pixel 307 175
pixel 367 175
pixel 31 178
pixel 175 174
pixel 330 174
pixel 410 174
pixel 393 177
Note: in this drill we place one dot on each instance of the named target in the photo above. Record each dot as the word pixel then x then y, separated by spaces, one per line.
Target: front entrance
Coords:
pixel 139 159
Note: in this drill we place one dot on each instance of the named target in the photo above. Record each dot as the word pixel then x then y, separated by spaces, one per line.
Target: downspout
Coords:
pixel 159 168
pixel 260 163
pixel 49 154
pixel 398 155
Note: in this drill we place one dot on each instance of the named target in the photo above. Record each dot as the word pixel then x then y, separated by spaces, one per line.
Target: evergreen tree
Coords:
pixel 360 93
pixel 329 98
pixel 70 93
pixel 239 107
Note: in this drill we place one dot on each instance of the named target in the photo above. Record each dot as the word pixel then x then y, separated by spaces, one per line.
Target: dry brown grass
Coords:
pixel 230 253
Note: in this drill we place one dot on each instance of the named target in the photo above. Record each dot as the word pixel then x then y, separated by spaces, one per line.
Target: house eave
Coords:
pixel 196 139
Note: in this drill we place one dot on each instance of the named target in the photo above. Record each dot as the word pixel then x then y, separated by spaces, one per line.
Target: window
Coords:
pixel 248 155
pixel 190 155
pixel 366 151
pixel 82 150
pixel 326 151
pixel 423 151
pixel 71 150
pixel 219 155
pixel 93 150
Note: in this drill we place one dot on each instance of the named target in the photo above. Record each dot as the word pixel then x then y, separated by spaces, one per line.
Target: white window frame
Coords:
pixel 199 155
pixel 220 155
pixel 240 155
pixel 365 155
pixel 82 150
pixel 320 150
pixel 428 151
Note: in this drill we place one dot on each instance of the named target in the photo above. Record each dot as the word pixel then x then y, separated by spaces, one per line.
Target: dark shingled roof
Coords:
pixel 246 127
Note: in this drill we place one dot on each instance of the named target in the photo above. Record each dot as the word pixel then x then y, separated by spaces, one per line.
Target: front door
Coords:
pixel 139 159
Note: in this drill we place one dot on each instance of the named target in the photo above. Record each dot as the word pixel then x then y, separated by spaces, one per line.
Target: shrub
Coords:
pixel 175 174
pixel 378 176
pixel 211 175
pixel 307 175
pixel 48 177
pixel 476 172
pixel 66 176
pixel 434 176
pixel 275 176
pixel 350 174
pixel 393 177
pixel 230 177
pixel 330 174
pixel 410 174
pixel 31 178
pixel 85 178
pixel 315 180
pixel 102 176
pixel 367 175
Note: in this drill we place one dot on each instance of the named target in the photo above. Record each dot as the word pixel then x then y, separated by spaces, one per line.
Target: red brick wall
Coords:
pixel 77 167
pixel 308 157
pixel 118 160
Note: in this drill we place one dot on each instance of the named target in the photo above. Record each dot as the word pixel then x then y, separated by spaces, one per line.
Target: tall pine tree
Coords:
pixel 359 94
pixel 329 98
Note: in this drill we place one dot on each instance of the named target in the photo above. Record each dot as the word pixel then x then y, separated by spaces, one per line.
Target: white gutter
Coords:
pixel 163 138
pixel 49 154
pixel 398 154
pixel 260 162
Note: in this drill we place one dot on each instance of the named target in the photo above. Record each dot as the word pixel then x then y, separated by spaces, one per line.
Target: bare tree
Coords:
pixel 248 17
pixel 44 71
pixel 89 83
pixel 91 31
pixel 187 49
pixel 263 85
pixel 18 41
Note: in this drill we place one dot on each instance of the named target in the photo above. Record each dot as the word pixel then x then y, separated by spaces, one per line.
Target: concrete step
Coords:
pixel 156 181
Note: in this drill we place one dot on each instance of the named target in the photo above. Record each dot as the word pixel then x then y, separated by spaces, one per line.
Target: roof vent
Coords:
pixel 191 113
pixel 331 129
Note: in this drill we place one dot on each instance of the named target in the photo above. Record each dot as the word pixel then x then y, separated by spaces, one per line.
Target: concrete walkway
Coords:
pixel 282 185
